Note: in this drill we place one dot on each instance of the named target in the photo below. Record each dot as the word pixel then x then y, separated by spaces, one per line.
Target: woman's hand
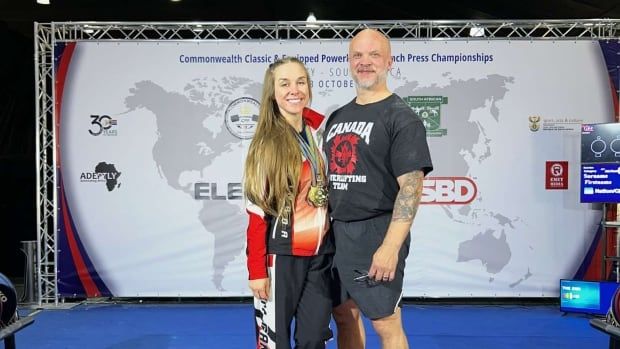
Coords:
pixel 260 288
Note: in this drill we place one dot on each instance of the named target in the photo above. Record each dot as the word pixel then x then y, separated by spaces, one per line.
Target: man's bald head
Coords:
pixel 372 35
pixel 370 58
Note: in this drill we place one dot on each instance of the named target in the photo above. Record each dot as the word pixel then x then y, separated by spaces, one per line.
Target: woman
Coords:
pixel 288 254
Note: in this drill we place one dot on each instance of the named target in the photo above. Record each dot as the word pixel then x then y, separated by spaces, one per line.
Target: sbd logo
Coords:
pixel 448 191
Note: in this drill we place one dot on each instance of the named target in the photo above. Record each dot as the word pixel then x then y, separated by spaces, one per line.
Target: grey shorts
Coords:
pixel 356 243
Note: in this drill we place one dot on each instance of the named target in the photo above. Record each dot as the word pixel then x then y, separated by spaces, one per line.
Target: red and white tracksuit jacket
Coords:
pixel 305 233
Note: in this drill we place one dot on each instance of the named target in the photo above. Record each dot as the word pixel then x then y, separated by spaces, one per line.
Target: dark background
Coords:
pixel 17 80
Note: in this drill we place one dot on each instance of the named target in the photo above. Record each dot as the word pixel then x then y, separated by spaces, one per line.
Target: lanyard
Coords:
pixel 311 152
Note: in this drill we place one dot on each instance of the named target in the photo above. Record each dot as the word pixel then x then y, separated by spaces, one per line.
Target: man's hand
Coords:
pixel 383 267
pixel 260 288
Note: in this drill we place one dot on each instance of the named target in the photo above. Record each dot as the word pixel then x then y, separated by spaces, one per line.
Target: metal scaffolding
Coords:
pixel 47 34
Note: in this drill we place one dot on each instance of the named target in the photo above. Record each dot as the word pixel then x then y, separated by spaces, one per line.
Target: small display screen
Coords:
pixel 592 297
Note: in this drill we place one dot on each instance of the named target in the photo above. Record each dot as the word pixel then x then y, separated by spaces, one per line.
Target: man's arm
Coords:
pixel 405 208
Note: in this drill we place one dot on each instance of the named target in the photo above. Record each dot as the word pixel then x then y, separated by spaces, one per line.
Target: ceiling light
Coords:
pixel 43 2
pixel 311 21
pixel 476 32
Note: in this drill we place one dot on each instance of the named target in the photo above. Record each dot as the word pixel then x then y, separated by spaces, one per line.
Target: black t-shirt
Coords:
pixel 368 147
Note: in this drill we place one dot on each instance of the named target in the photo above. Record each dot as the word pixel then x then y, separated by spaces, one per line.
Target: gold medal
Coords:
pixel 317 195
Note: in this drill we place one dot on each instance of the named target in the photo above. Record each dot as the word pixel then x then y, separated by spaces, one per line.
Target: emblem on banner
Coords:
pixel 103 172
pixel 534 123
pixel 556 175
pixel 555 124
pixel 241 117
pixel 103 125
pixel 429 109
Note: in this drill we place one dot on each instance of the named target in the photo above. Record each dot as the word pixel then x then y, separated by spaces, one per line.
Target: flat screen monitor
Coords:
pixel 592 297
pixel 600 143
pixel 600 183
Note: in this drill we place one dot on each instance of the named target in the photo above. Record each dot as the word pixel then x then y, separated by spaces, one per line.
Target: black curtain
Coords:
pixel 17 147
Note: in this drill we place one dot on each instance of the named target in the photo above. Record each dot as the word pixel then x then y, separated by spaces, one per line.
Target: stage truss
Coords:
pixel 47 34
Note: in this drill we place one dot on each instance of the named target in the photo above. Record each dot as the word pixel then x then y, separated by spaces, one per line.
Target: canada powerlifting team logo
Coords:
pixel 343 154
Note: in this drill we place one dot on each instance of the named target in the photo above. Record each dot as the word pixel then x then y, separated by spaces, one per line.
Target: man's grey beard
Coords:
pixel 368 84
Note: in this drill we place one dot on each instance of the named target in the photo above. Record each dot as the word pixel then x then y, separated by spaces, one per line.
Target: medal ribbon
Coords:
pixel 311 152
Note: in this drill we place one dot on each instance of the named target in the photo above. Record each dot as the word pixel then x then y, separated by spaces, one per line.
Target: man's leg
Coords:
pixel 390 330
pixel 348 319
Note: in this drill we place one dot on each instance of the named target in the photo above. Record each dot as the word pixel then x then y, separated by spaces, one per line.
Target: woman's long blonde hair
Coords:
pixel 273 162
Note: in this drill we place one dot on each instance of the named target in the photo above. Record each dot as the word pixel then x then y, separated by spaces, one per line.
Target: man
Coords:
pixel 378 157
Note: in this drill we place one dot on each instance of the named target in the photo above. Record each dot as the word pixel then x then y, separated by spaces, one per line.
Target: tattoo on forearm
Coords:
pixel 408 198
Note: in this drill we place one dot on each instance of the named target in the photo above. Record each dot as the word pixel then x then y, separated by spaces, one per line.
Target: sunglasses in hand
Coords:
pixel 363 279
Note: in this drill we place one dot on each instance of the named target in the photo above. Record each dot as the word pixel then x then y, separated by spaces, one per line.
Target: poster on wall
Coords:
pixel 152 138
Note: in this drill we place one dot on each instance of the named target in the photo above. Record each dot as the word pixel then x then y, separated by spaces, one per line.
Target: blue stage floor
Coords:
pixel 226 326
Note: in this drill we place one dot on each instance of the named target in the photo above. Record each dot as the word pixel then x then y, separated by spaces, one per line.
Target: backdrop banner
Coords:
pixel 152 138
